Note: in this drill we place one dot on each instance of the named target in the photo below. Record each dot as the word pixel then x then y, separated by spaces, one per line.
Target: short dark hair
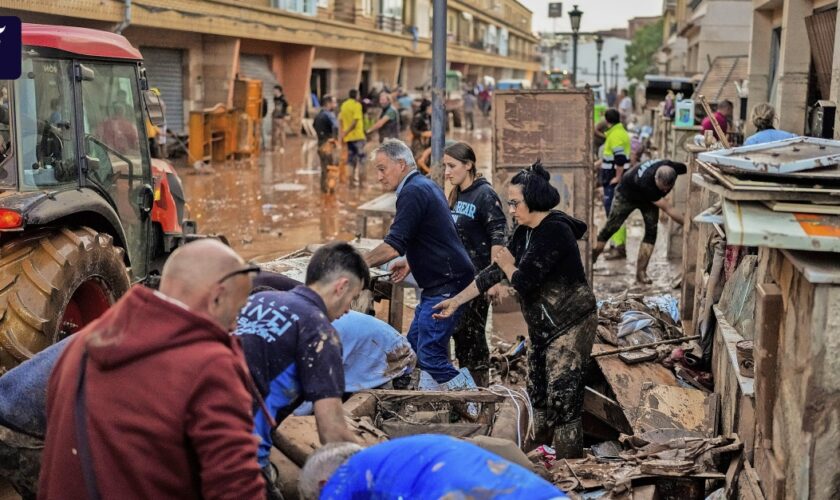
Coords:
pixel 537 192
pixel 612 116
pixel 278 87
pixel 335 258
pixel 726 103
pixel 327 98
pixel 353 93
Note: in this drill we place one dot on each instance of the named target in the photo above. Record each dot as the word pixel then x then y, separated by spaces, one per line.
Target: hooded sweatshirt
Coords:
pixel 550 279
pixel 480 221
pixel 168 412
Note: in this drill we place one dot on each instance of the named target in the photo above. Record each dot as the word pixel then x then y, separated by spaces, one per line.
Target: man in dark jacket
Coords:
pixel 151 400
pixel 278 120
pixel 326 126
pixel 424 232
pixel 643 187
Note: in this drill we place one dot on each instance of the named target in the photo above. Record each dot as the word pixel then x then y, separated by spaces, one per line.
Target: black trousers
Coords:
pixel 621 209
pixel 556 371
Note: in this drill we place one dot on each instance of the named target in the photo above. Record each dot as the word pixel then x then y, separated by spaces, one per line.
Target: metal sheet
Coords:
pixel 779 157
pixel 753 224
pixel 164 68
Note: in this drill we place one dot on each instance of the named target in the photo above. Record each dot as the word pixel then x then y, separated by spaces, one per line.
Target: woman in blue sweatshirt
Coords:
pixel 481 223
pixel 543 264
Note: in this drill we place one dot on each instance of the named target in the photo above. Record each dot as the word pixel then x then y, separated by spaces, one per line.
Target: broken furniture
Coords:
pixel 782 201
pixel 383 207
pixel 293 265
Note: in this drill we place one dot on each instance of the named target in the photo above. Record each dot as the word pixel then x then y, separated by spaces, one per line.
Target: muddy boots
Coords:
pixel 616 253
pixel 543 434
pixel 597 250
pixel 568 440
pixel 645 252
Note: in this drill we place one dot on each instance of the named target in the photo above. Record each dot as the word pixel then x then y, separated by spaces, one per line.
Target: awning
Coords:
pixel 751 223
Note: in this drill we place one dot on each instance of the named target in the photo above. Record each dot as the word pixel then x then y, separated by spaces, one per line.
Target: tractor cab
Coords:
pixel 84 209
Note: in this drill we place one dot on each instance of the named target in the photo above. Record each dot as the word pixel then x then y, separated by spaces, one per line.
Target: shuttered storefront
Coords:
pixel 165 70
pixel 820 27
pixel 259 68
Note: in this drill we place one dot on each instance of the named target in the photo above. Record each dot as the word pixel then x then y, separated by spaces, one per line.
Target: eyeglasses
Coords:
pixel 514 204
pixel 253 268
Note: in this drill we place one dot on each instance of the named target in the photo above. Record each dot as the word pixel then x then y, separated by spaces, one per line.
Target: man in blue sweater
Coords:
pixel 423 231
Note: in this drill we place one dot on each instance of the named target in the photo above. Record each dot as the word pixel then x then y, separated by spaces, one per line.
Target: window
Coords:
pixel 309 7
pixel 43 123
pixel 8 174
pixel 392 8
pixel 775 49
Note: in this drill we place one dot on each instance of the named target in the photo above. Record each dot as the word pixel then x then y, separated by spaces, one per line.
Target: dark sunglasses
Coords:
pixel 253 268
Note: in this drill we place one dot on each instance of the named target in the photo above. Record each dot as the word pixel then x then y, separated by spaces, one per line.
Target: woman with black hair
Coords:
pixel 543 264
pixel 481 223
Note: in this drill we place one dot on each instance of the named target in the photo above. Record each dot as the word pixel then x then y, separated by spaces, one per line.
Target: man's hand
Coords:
pixel 445 308
pixel 499 292
pixel 399 270
pixel 329 416
pixel 614 180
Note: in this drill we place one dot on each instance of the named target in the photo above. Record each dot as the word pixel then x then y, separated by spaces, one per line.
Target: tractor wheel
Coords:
pixel 52 284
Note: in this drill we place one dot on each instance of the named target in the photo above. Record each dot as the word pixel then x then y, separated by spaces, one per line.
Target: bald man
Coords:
pixel 152 399
pixel 642 188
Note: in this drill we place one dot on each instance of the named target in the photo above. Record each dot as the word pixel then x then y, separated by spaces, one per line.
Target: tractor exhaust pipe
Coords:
pixel 118 29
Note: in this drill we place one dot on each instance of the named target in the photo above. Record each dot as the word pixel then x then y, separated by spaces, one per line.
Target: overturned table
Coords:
pixel 384 206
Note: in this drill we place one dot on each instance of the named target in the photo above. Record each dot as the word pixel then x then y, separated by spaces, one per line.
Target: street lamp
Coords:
pixel 613 66
pixel 599 46
pixel 574 17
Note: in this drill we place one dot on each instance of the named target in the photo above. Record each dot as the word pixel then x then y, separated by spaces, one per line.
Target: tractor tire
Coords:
pixel 52 284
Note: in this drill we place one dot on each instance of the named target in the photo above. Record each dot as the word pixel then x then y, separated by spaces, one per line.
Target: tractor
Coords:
pixel 85 211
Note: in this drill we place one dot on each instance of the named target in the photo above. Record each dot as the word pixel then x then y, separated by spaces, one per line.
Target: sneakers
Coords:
pixel 461 382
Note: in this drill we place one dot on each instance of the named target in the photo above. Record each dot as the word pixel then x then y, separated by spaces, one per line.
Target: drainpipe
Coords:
pixel 118 29
pixel 439 116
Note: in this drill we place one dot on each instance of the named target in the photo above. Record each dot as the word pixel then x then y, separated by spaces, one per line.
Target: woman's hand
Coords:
pixel 498 293
pixel 399 270
pixel 504 259
pixel 445 308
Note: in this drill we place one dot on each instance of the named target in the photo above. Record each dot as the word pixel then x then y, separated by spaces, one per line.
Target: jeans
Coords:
pixel 619 236
pixel 429 338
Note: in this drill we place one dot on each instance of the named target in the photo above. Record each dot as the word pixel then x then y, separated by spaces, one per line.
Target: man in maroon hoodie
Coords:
pixel 152 400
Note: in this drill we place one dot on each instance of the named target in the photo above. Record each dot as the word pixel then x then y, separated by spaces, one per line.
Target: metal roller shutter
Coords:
pixel 258 67
pixel 164 68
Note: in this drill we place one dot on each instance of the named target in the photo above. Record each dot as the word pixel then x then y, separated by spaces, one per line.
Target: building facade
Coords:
pixel 195 49
pixel 794 59
pixel 695 32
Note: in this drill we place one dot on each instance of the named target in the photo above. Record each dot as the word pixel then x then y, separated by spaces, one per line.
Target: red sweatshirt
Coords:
pixel 168 412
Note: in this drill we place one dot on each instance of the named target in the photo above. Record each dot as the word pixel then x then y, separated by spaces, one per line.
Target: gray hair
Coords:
pixel 396 150
pixel 321 465
pixel 666 176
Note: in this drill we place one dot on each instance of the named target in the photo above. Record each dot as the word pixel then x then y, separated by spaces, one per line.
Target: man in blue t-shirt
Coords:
pixel 423 231
pixel 422 466
pixel 293 351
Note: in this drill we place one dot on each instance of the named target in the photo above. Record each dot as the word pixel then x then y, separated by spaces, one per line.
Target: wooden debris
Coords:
pixel 397 428
pixel 627 381
pixel 419 397
pixel 670 407
pixel 643 346
pixel 633 357
pixel 606 410
pixel 669 467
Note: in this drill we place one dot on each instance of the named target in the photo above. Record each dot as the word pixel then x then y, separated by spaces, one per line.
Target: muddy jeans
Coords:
pixel 20 461
pixel 278 133
pixel 556 371
pixel 326 159
pixel 622 208
pixel 471 340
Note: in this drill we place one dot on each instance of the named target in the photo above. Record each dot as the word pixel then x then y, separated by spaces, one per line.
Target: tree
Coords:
pixel 640 52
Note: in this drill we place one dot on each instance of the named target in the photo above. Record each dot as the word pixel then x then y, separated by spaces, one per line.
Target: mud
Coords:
pixel 272 205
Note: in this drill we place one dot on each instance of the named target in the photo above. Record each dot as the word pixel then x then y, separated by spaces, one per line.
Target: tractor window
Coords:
pixel 44 125
pixel 7 166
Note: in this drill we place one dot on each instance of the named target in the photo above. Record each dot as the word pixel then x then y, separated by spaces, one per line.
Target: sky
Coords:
pixel 597 14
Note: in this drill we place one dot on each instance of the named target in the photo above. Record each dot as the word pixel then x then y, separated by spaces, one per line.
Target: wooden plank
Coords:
pixel 419 397
pixel 670 407
pixel 397 428
pixel 808 208
pixel 748 484
pixel 606 410
pixel 360 404
pixel 768 316
pixel 627 381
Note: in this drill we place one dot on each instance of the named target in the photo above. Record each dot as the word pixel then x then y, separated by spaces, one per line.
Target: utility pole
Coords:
pixel 438 88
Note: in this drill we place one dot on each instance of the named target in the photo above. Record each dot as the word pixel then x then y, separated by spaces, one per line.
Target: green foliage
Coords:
pixel 640 52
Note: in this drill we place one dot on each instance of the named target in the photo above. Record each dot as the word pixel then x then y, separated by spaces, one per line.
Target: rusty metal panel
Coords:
pixel 780 157
pixel 555 127
pixel 820 28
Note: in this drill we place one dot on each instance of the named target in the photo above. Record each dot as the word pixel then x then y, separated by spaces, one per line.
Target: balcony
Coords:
pixel 389 23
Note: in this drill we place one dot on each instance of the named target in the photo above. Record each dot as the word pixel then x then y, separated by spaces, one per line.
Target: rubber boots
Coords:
pixel 645 252
pixel 542 432
pixel 568 440
pixel 462 382
pixel 597 249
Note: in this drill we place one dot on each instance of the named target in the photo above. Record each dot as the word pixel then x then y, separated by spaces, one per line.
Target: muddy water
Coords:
pixel 273 205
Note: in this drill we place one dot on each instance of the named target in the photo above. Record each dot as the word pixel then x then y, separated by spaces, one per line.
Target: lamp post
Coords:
pixel 574 17
pixel 613 65
pixel 599 46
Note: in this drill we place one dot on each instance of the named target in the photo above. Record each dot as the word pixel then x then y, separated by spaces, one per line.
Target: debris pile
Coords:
pixel 508 365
